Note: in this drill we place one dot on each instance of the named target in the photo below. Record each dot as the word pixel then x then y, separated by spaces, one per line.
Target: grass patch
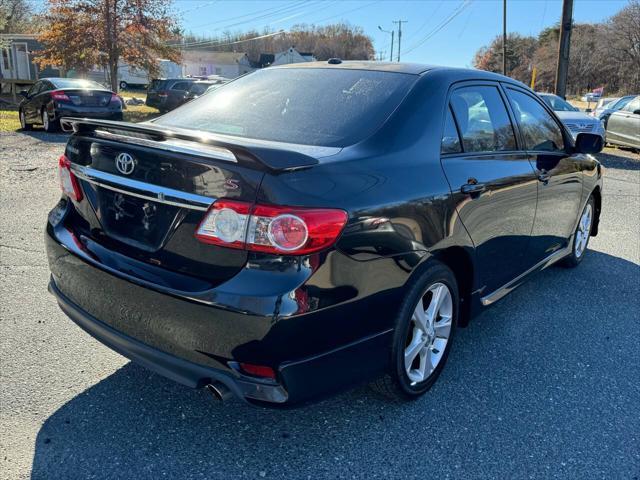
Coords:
pixel 9 121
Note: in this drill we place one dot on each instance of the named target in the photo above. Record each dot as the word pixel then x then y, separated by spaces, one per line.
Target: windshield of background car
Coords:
pixel 75 83
pixel 621 103
pixel 319 106
pixel 557 104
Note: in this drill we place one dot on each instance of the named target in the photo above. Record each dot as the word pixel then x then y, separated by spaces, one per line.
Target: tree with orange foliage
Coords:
pixel 83 33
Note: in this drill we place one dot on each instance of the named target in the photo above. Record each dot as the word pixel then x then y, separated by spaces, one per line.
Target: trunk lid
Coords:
pixel 146 190
pixel 88 98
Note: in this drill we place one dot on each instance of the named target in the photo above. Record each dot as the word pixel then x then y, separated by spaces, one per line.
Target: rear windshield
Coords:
pixel 75 83
pixel 157 85
pixel 327 107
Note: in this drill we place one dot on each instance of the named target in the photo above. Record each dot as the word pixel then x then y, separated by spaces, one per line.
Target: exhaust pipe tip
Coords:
pixel 219 391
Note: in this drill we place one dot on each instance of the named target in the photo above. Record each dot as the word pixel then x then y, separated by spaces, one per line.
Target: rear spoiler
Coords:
pixel 202 144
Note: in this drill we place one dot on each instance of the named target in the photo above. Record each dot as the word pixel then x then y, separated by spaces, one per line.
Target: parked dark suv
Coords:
pixel 167 93
pixel 305 228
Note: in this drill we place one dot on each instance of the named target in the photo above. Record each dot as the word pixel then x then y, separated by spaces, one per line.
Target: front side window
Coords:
pixel 316 106
pixel 632 106
pixel 539 129
pixel 482 119
pixel 450 138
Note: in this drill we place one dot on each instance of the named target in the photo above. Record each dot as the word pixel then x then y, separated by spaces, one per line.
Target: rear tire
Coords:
pixel 581 236
pixel 49 125
pixel 23 121
pixel 411 374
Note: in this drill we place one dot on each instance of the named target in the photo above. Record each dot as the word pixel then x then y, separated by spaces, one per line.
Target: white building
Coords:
pixel 197 63
pixel 291 55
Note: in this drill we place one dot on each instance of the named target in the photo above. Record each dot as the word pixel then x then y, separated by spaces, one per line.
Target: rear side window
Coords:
pixel 450 138
pixel 539 129
pixel 482 119
pixel 310 106
pixel 182 86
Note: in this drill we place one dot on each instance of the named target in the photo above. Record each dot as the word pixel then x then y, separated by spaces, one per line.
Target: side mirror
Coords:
pixel 24 93
pixel 588 110
pixel 589 143
pixel 636 112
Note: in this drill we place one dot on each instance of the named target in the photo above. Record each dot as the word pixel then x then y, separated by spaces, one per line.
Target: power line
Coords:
pixel 461 8
pixel 251 17
pixel 214 43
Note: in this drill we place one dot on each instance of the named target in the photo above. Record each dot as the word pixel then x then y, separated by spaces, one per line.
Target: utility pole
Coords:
pixel 504 37
pixel 563 48
pixel 392 33
pixel 399 22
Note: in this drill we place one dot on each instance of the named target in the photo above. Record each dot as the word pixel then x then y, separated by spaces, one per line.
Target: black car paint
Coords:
pixel 34 105
pixel 324 321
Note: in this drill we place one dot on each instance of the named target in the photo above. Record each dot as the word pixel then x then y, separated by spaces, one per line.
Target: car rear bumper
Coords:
pixel 88 112
pixel 196 344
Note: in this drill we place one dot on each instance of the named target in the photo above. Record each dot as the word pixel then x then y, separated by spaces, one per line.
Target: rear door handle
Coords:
pixel 544 176
pixel 471 188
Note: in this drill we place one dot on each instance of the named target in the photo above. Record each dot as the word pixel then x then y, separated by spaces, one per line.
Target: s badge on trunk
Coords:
pixel 125 163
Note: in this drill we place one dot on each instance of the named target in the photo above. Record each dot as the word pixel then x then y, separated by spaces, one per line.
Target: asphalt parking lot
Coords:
pixel 544 384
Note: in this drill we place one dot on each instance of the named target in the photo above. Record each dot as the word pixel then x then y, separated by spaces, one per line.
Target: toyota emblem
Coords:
pixel 125 163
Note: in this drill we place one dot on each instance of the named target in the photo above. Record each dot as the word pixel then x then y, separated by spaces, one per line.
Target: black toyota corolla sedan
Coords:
pixel 50 99
pixel 305 228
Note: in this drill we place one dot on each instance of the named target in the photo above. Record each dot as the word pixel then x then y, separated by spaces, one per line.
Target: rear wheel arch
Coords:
pixel 460 262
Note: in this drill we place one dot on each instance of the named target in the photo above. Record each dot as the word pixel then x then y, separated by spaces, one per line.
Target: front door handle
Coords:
pixel 471 188
pixel 544 176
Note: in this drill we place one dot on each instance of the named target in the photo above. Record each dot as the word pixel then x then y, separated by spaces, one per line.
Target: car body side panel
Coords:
pixel 623 128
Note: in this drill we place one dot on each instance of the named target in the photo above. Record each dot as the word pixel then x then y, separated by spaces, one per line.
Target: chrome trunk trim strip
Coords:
pixel 146 191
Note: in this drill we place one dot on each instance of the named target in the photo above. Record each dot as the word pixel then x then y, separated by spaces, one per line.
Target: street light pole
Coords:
pixel 392 34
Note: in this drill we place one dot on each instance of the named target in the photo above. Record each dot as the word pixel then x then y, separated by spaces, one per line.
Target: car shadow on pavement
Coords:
pixel 527 381
pixel 58 137
pixel 624 159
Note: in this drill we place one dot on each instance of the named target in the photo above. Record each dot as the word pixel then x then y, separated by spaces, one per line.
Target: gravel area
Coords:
pixel 545 384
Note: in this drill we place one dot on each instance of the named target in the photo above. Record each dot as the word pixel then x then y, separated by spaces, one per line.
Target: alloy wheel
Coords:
pixel 23 121
pixel 583 231
pixel 429 332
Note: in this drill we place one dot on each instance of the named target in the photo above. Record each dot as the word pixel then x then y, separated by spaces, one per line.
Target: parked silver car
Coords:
pixel 623 127
pixel 575 120
pixel 602 112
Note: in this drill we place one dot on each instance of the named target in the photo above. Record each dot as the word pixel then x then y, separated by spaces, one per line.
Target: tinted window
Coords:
pixel 156 85
pixel 182 86
pixel 621 103
pixel 482 119
pixel 632 106
pixel 539 129
pixel 450 138
pixel 199 88
pixel 319 106
pixel 75 83
pixel 34 89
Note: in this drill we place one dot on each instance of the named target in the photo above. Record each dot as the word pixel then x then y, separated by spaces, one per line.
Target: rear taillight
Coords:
pixel 59 95
pixel 68 181
pixel 271 229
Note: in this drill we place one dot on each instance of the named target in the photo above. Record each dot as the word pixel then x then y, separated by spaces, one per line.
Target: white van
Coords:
pixel 129 76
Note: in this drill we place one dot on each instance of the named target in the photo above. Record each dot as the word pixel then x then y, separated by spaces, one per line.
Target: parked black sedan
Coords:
pixel 50 99
pixel 308 227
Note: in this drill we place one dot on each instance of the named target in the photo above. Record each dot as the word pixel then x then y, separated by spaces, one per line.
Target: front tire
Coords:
pixel 49 125
pixel 581 236
pixel 423 334
pixel 123 85
pixel 23 121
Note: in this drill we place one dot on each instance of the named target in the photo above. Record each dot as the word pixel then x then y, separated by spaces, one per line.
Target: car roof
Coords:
pixel 404 67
